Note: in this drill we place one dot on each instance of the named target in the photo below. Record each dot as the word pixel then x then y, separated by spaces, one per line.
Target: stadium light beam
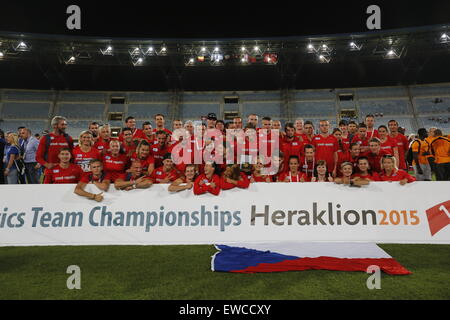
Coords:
pixel 108 51
pixel 391 54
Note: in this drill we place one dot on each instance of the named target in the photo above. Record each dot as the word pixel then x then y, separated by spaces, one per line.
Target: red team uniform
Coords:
pixel 388 145
pixel 144 162
pixel 115 165
pixel 82 159
pixel 88 177
pixel 56 143
pixel 372 177
pixel 325 149
pixel 244 183
pixel 206 187
pixel 158 175
pixel 58 175
pixel 397 175
pixel 291 178
pixel 403 145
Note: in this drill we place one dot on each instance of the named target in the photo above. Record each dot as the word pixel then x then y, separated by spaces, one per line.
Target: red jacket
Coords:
pixel 242 183
pixel 206 187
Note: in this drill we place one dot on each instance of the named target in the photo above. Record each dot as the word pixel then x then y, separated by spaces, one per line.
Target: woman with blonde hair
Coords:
pixel 390 171
pixel 85 152
pixel 11 155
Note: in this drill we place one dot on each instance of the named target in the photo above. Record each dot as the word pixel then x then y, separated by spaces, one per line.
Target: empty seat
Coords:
pixel 25 110
pixel 81 111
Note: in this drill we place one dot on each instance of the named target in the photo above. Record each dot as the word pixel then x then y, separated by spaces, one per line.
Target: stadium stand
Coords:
pixel 412 107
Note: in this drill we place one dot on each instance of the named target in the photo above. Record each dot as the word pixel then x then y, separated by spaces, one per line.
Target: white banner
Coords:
pixel 383 212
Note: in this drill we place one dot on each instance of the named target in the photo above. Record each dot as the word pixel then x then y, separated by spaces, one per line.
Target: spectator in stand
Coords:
pixel 85 152
pixel 50 144
pixel 147 133
pixel 321 173
pixel 348 178
pixel 130 123
pixel 135 179
pixel 10 158
pixel 115 160
pixel 143 155
pixel 364 171
pixel 390 171
pixel 253 119
pixel 401 141
pixel 294 174
pixel 29 149
pixel 308 129
pixel 237 122
pixel 96 176
pixel 441 150
pixel 421 150
pixel 2 152
pixel 186 181
pixel 64 172
pixel 167 173
pixel 257 175
pixel 128 144
pixel 94 128
pixel 361 138
pixel 232 177
pixel 102 143
pixel 209 181
pixel 160 122
pixel 375 154
pixel 369 121
pixel 326 146
pixel 352 130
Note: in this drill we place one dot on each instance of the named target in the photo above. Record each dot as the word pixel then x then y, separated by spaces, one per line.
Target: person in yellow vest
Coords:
pixel 440 148
pixel 421 149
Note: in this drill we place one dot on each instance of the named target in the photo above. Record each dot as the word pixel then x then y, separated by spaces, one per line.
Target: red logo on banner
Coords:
pixel 438 217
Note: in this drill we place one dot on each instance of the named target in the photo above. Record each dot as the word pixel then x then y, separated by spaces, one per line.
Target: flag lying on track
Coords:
pixel 295 256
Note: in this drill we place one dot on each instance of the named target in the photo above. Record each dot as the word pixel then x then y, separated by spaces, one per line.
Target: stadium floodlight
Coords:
pixel 324 58
pixel 108 51
pixel 243 49
pixel 444 38
pixel 244 58
pixel 2 55
pixel 21 46
pixel 354 46
pixel 190 61
pixel 71 60
pixel 310 48
pixel 216 58
pixel 137 61
pixel 150 51
pixel 135 52
pixel 216 49
pixel 163 50
pixel 391 54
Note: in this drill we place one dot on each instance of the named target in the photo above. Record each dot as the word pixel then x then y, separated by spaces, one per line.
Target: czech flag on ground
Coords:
pixel 296 256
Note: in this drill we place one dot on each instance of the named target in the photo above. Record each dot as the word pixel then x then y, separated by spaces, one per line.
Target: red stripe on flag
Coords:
pixel 387 265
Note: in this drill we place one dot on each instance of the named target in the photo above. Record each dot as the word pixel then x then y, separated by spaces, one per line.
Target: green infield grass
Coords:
pixel 184 272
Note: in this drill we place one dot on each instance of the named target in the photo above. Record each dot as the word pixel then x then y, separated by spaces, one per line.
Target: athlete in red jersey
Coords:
pixel 49 145
pixel 159 121
pixel 115 162
pixel 402 143
pixel 128 144
pixel 361 138
pixel 375 154
pixel 85 152
pixel 388 144
pixel 294 174
pixel 364 171
pixel 347 178
pixel 308 129
pixel 64 172
pixel 96 176
pixel 185 182
pixel 308 162
pixel 160 149
pixel 257 175
pixel 343 126
pixel 321 173
pixel 102 143
pixel 233 177
pixel 390 171
pixel 135 179
pixel 142 154
pixel 370 123
pixel 167 173
pixel 326 146
pixel 208 182
pixel 136 134
pixel 148 134
pixel 292 145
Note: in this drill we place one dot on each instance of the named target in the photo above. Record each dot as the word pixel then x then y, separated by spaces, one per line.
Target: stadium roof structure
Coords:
pixel 376 58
